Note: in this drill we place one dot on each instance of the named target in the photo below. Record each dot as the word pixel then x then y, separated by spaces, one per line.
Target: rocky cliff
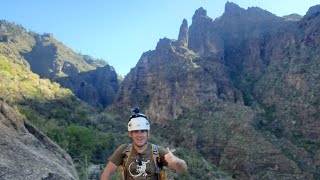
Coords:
pixel 97 87
pixel 28 154
pixel 242 89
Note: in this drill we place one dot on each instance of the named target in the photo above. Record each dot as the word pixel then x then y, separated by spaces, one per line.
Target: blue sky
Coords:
pixel 119 31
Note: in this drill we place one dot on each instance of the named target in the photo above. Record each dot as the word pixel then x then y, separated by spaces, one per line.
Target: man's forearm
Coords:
pixel 180 166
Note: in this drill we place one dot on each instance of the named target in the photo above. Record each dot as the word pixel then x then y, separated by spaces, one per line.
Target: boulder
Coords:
pixel 28 154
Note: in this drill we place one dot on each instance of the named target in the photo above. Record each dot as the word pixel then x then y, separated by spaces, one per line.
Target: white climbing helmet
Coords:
pixel 138 121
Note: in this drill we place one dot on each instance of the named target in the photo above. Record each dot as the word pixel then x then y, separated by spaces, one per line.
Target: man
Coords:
pixel 137 159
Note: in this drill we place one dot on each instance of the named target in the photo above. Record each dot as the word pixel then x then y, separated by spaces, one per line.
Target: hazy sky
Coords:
pixel 119 31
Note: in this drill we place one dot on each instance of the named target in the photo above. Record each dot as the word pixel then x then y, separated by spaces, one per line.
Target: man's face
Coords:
pixel 139 137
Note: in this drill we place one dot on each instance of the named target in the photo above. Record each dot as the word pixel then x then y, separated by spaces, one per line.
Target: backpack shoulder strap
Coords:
pixel 155 151
pixel 127 149
pixel 125 155
pixel 156 158
pixel 161 173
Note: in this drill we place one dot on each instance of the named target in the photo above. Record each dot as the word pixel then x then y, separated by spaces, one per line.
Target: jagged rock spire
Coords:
pixel 199 13
pixel 313 10
pixel 232 9
pixel 183 34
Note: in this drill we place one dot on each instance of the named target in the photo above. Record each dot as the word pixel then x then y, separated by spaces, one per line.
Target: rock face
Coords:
pixel 172 77
pixel 27 154
pixel 51 59
pixel 97 87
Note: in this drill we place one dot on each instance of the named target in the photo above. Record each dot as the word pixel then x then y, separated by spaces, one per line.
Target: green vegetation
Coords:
pixel 85 145
pixel 198 167
pixel 209 134
pixel 58 113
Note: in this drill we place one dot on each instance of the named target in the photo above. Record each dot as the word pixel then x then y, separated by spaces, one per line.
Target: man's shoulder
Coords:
pixel 122 149
pixel 118 155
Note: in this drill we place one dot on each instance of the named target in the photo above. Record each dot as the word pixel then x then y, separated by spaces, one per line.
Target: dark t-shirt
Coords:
pixel 138 169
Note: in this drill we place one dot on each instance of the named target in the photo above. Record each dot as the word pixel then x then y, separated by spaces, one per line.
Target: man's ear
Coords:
pixel 129 134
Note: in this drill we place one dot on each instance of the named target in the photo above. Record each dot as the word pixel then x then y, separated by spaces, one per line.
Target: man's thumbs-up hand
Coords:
pixel 170 158
pixel 174 162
